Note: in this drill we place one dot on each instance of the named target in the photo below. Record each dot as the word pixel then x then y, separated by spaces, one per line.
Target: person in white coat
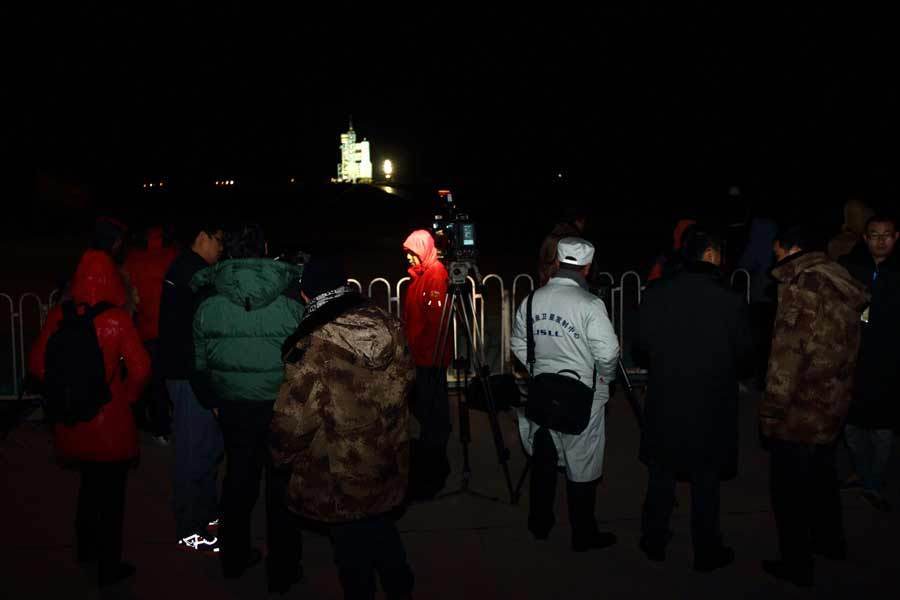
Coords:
pixel 571 331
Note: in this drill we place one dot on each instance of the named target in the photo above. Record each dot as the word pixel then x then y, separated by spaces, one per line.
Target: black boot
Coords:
pixel 712 558
pixel 585 535
pixel 654 545
pixel 799 575
pixel 542 487
pixel 110 575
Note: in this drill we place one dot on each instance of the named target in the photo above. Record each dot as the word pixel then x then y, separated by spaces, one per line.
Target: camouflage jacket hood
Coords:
pixel 341 418
pixel 807 263
pixel 814 350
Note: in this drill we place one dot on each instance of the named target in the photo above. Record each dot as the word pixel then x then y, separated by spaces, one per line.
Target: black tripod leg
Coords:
pixel 465 429
pixel 521 483
pixel 484 376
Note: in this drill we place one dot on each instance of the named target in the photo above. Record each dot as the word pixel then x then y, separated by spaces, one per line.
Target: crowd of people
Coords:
pixel 220 350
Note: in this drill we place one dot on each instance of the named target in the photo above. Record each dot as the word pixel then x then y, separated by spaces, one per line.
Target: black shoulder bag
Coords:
pixel 556 400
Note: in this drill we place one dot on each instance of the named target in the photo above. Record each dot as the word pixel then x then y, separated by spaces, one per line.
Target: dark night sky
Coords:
pixel 641 102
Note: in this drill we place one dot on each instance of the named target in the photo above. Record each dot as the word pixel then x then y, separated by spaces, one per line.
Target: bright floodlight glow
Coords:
pixel 388 168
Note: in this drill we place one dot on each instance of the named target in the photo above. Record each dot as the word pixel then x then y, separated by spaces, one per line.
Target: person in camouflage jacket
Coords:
pixel 814 347
pixel 341 427
pixel 807 396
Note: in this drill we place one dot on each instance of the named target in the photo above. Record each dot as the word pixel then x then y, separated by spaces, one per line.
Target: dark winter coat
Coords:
pixel 693 335
pixel 876 386
pixel 239 330
pixel 111 436
pixel 176 316
pixel 341 418
pixel 814 348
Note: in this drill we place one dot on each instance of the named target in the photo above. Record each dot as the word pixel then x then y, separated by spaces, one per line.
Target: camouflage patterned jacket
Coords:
pixel 814 348
pixel 341 417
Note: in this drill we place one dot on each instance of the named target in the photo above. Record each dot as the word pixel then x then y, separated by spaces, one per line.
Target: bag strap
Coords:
pixel 529 345
pixel 96 309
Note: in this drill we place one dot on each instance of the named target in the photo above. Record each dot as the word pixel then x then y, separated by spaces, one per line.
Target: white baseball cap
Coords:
pixel 575 251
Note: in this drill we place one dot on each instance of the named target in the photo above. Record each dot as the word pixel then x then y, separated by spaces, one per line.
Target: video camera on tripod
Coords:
pixel 454 237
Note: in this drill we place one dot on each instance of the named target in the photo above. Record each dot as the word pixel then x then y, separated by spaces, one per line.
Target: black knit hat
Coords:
pixel 322 274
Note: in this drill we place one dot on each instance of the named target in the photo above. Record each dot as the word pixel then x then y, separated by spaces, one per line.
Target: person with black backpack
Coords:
pixel 93 366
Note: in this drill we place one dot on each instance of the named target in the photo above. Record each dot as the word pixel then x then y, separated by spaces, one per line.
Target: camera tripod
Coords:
pixel 457 307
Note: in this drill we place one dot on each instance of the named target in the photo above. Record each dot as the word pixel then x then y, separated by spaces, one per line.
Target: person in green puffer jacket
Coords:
pixel 238 334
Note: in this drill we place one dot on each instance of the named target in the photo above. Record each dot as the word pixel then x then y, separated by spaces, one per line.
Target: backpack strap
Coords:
pixel 93 311
pixel 69 310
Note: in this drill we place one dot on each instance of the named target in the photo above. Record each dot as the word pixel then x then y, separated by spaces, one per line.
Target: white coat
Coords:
pixel 571 331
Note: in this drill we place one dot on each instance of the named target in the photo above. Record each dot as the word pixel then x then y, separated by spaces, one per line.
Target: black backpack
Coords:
pixel 75 384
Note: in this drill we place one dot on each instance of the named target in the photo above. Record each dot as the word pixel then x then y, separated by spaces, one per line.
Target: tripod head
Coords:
pixel 460 269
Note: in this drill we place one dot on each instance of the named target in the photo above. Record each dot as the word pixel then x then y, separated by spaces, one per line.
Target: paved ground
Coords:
pixel 460 546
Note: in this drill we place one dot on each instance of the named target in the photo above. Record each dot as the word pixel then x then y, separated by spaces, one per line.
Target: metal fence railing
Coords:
pixel 495 307
pixel 24 316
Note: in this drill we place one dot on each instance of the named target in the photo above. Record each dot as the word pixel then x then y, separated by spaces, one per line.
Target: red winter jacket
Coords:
pixel 111 435
pixel 147 269
pixel 425 299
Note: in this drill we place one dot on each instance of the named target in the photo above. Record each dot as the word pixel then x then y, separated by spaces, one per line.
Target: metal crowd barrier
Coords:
pixel 19 340
pixel 746 275
pixel 626 295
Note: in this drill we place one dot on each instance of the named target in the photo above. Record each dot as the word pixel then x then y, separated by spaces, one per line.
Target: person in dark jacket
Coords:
pixel 198 439
pixel 694 336
pixel 238 333
pixel 808 391
pixel 340 429
pixel 422 310
pixel 874 412
pixel 107 445
pixel 758 258
pixel 146 268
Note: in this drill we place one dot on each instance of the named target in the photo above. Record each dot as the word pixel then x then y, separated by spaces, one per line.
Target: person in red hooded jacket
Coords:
pixel 105 446
pixel 146 267
pixel 670 262
pixel 423 307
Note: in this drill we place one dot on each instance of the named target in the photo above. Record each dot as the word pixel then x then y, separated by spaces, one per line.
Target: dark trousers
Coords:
pixel 245 427
pixel 660 502
pixel 431 407
pixel 101 513
pixel 870 453
pixel 581 496
pixel 283 532
pixel 198 450
pixel 153 411
pixel 362 548
pixel 805 500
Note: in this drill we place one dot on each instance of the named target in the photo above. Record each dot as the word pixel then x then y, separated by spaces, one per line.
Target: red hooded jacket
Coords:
pixel 111 435
pixel 147 269
pixel 425 299
pixel 657 270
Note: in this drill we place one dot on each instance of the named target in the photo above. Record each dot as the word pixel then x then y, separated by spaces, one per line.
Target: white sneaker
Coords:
pixel 200 543
pixel 161 440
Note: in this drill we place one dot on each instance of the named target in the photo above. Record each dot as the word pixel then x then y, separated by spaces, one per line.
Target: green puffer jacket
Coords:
pixel 238 332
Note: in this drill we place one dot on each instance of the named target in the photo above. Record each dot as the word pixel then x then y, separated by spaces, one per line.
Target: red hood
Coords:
pixel 97 279
pixel 679 232
pixel 421 244
pixel 154 238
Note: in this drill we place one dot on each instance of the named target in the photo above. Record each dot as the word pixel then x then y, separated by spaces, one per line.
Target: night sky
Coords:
pixel 636 106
